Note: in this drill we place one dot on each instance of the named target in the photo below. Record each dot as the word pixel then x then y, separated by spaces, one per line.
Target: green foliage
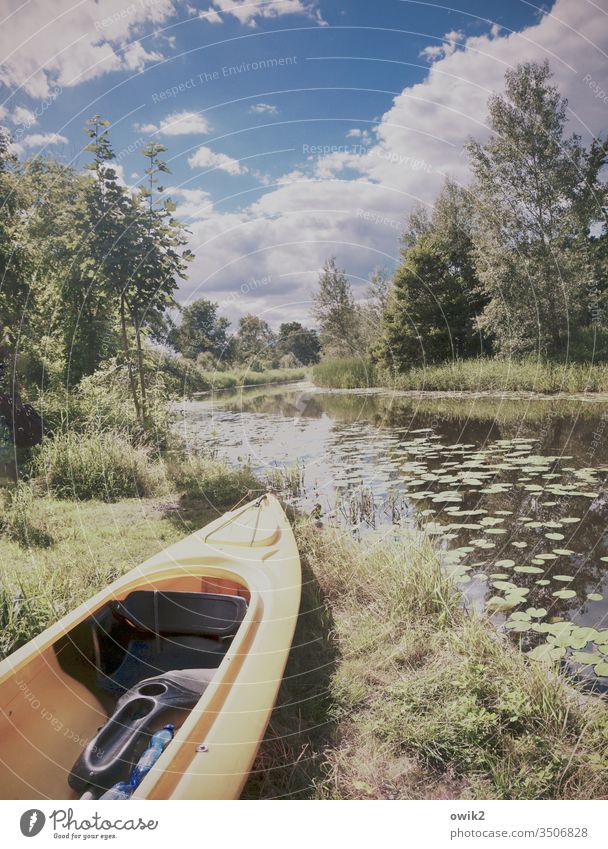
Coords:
pixel 213 481
pixel 537 194
pixel 23 519
pixel 335 310
pixel 255 343
pixel 434 303
pixel 104 466
pixel 485 374
pixel 303 344
pixel 345 373
pixel 201 331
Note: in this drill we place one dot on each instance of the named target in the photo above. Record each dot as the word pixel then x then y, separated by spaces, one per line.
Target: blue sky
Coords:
pixel 295 129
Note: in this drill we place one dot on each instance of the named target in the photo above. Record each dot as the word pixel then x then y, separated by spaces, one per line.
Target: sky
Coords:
pixel 295 129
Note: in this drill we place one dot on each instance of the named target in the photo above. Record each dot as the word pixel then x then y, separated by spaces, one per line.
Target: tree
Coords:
pixel 155 257
pixel 200 331
pixel 371 312
pixel 255 342
pixel 431 312
pixel 299 341
pixel 536 193
pixel 336 312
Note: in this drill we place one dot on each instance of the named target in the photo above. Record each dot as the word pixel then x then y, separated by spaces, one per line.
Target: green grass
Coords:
pixel 93 543
pixel 100 465
pixel 238 378
pixel 479 375
pixel 211 480
pixel 420 700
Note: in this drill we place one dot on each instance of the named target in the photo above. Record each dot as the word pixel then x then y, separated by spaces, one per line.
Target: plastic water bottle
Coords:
pixel 121 790
pixel 158 743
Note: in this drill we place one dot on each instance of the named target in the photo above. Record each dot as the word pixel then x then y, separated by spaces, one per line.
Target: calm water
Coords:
pixel 514 491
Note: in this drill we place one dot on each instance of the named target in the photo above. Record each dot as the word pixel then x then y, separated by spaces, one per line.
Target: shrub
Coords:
pixel 345 373
pixel 104 466
pixel 214 481
pixel 22 519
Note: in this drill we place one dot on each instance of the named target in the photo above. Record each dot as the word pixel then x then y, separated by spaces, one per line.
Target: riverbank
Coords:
pixel 491 376
pixel 391 690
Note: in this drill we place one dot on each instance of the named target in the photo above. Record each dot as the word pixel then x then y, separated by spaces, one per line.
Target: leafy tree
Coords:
pixel 336 312
pixel 371 312
pixel 299 341
pixel 431 312
pixel 255 341
pixel 200 331
pixel 536 192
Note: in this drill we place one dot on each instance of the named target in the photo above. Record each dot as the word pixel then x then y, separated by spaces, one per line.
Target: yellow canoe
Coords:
pixel 221 604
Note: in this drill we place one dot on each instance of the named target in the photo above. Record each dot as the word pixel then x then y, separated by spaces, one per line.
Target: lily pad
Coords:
pixel 601 669
pixel 530 570
pixel 564 578
pixel 505 564
pixel 546 653
pixel 564 594
pixel 536 612
pixel 554 536
pixel 595 597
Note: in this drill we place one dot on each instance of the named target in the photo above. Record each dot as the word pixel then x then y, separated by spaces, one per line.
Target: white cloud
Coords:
pixel 64 43
pixel 22 115
pixel 312 213
pixel 178 124
pixel 192 204
pixel 451 40
pixel 204 157
pixel 43 139
pixel 247 11
pixel 264 109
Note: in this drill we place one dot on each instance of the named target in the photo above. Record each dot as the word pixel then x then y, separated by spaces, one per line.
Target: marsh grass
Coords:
pixel 206 479
pixel 424 700
pixel 22 519
pixel 96 465
pixel 237 378
pixel 286 479
pixel 491 374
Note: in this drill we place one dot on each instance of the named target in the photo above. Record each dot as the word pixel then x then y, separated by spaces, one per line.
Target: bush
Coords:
pixel 22 519
pixel 104 466
pixel 214 481
pixel 345 373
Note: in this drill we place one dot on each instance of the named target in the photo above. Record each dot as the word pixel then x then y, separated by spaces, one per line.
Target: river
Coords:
pixel 514 491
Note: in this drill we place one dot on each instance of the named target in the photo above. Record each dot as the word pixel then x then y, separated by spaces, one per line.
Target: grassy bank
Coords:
pixel 480 375
pixel 393 691
pixel 183 377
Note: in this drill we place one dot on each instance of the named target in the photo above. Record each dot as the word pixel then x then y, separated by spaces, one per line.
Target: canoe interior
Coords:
pixel 56 702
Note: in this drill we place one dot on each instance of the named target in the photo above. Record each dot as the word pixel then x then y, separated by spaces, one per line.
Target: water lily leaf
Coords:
pixel 518 627
pixel 595 597
pixel 499 576
pixel 567 520
pixel 601 669
pixel 536 612
pixel 564 594
pixel 563 551
pixel 520 544
pixel 521 616
pixel 496 531
pixel 499 603
pixel 546 653
pixel 504 585
pixel 505 564
pixel 554 536
pixel 584 657
pixel 563 578
pixel 543 582
pixel 530 570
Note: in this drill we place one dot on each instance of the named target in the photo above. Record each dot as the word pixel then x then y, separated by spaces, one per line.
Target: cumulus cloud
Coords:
pixel 43 139
pixel 178 124
pixel 451 40
pixel 22 115
pixel 204 157
pixel 63 43
pixel 264 109
pixel 247 12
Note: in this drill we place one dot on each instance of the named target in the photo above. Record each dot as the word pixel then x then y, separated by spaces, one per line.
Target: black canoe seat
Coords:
pixel 196 614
